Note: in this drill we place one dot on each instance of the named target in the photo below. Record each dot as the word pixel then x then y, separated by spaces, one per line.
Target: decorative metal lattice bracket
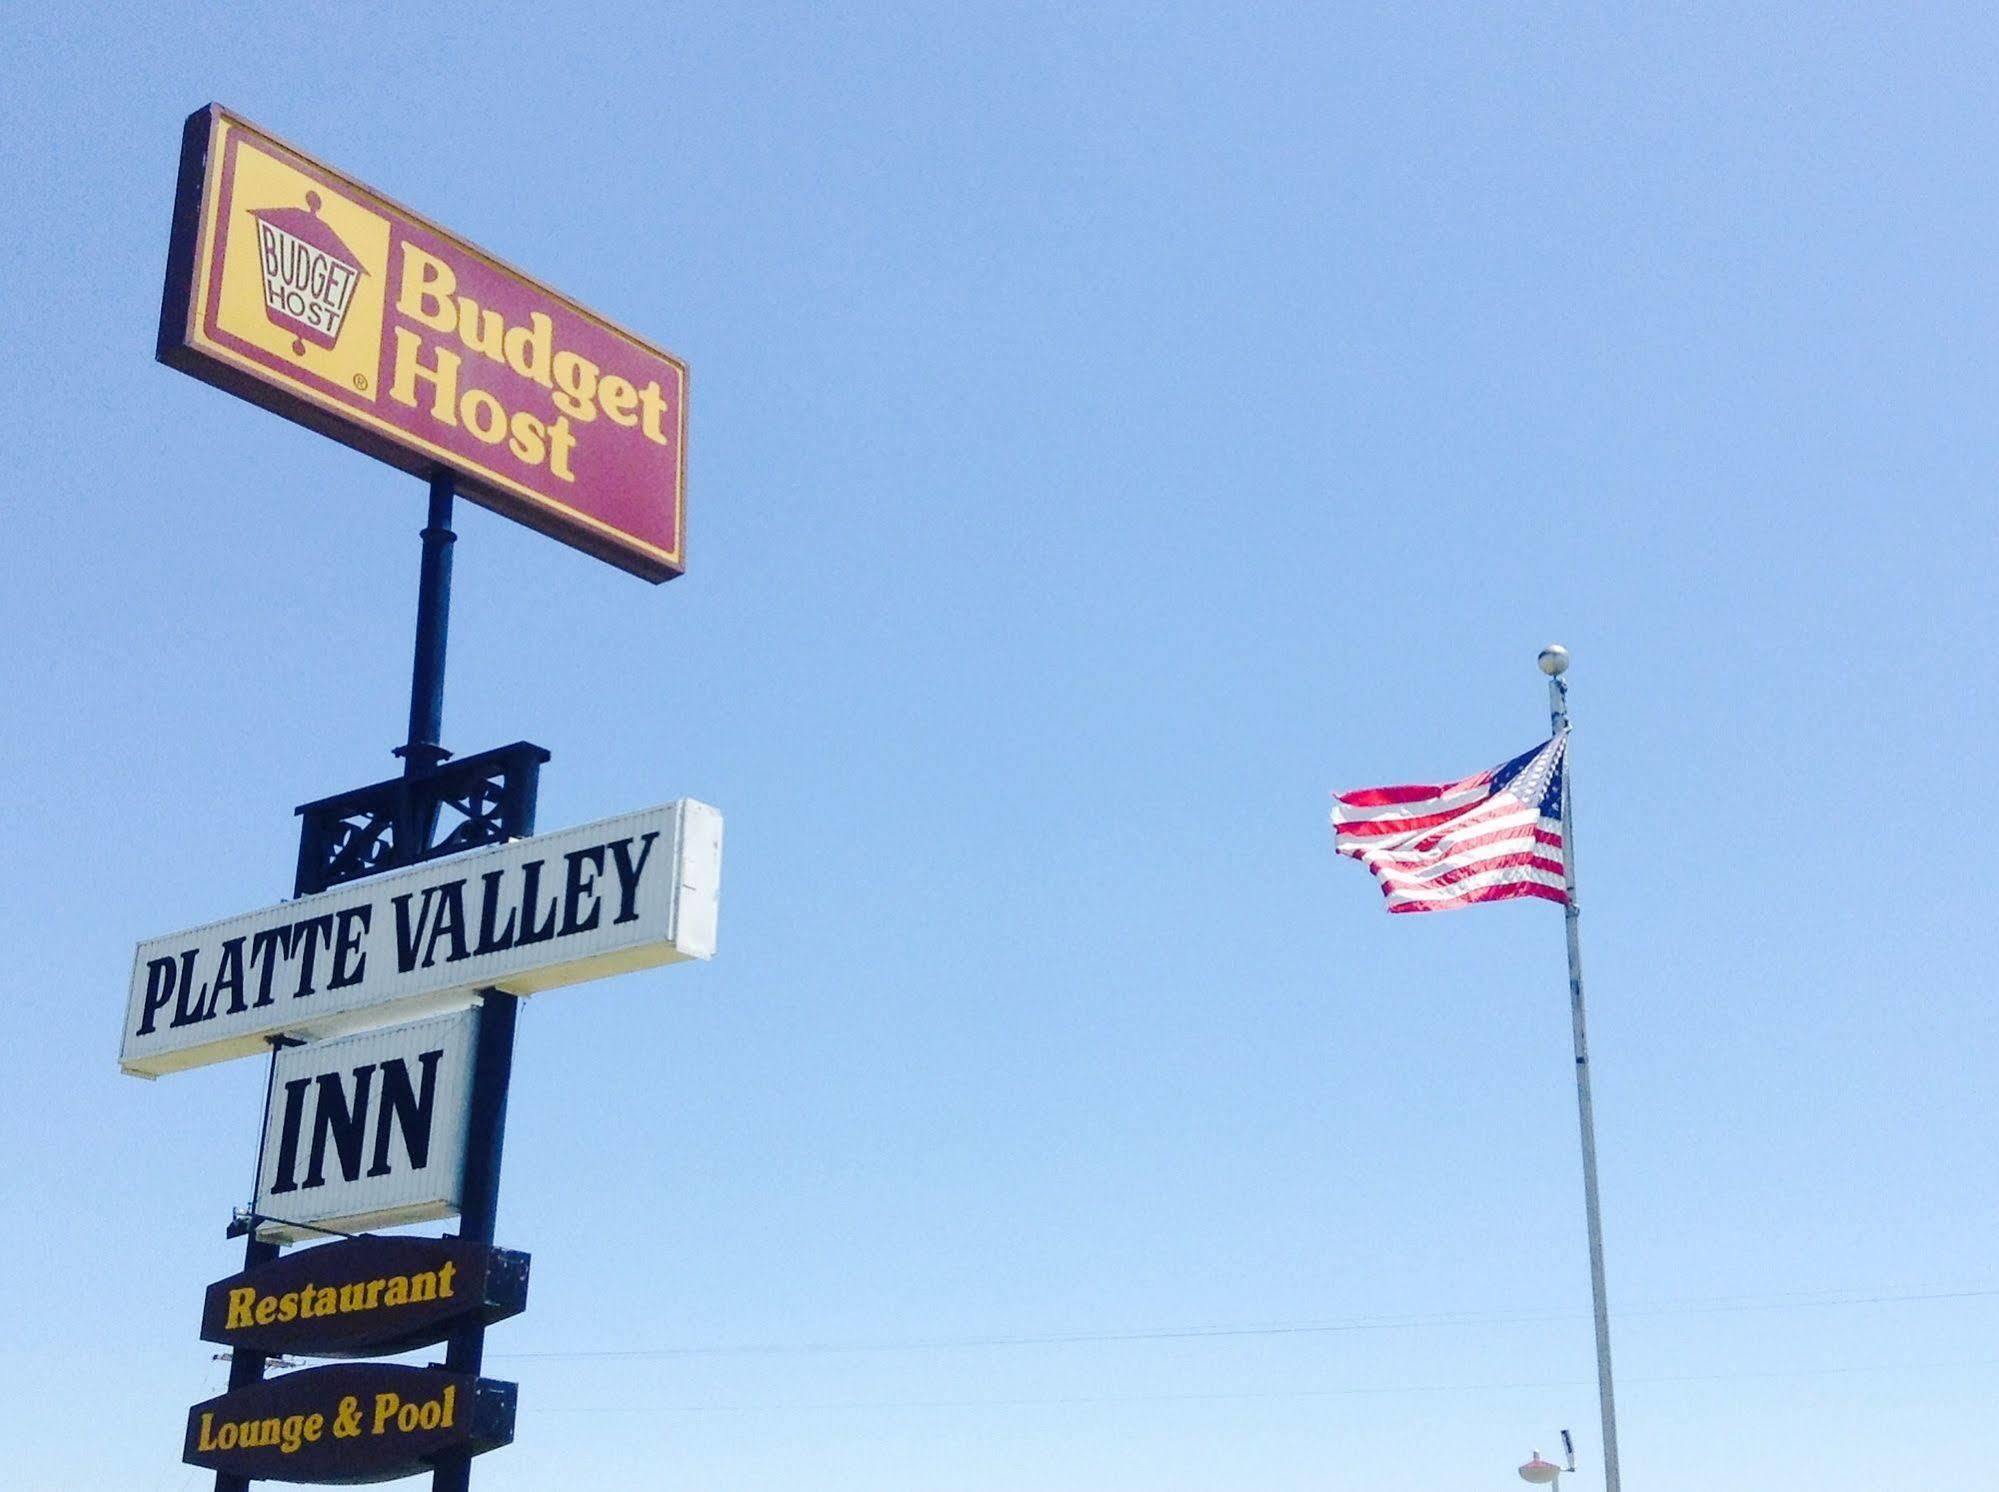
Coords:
pixel 458 805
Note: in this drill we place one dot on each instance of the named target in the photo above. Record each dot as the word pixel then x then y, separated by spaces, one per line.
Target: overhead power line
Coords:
pixel 1369 1391
pixel 1703 1306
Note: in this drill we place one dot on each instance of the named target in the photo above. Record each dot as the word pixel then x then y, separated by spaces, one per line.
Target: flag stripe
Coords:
pixel 1482 889
pixel 1434 800
pixel 1383 797
pixel 1542 832
pixel 1392 828
pixel 1468 835
pixel 1443 875
pixel 1525 865
pixel 1489 893
pixel 1497 815
pixel 1501 814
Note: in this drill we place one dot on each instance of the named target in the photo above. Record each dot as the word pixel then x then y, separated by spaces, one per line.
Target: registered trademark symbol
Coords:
pixel 361 382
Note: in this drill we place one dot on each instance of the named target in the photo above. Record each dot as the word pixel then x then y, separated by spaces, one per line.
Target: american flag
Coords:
pixel 1490 837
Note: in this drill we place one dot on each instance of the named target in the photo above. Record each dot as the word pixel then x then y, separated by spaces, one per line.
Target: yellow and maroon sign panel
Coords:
pixel 301 290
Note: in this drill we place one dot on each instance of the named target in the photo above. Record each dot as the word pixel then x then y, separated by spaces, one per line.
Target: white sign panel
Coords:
pixel 628 893
pixel 368 1131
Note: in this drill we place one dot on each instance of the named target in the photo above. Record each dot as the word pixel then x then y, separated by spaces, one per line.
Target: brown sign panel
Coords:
pixel 352 1422
pixel 300 289
pixel 365 1297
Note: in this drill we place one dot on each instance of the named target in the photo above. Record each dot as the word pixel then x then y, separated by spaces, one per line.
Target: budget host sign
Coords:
pixel 302 290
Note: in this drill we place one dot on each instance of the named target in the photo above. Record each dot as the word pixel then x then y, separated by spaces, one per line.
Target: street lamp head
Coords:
pixel 1539 1472
pixel 1554 659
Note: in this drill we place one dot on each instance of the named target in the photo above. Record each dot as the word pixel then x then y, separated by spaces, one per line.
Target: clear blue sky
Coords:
pixel 1113 428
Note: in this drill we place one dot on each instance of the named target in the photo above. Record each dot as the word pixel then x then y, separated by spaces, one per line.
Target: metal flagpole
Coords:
pixel 1554 662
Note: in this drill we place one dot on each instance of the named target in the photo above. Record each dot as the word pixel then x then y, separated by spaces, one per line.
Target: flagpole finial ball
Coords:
pixel 1554 659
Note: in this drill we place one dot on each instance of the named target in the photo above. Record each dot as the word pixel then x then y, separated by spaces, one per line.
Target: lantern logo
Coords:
pixel 309 273
pixel 302 273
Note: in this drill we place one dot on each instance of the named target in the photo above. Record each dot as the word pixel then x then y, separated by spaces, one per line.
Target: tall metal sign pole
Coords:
pixel 422 755
pixel 423 752
pixel 246 1365
pixel 493 1059
pixel 1554 663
